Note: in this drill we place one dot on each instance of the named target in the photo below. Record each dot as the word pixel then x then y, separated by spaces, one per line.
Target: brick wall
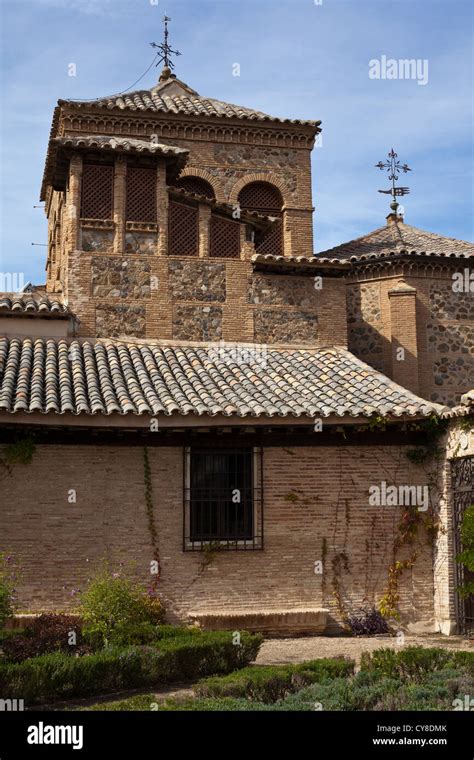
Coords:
pixel 310 495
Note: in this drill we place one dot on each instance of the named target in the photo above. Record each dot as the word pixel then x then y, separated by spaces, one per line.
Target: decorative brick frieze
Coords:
pixel 186 129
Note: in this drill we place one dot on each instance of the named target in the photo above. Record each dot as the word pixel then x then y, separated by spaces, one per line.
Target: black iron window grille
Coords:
pixel 223 499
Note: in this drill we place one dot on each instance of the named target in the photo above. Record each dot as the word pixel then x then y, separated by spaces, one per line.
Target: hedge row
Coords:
pixel 60 676
pixel 272 682
pixel 413 663
pixel 440 690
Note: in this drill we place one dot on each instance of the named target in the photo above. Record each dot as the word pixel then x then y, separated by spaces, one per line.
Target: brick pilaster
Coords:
pixel 120 189
pixel 162 202
pixel 204 230
pixel 402 300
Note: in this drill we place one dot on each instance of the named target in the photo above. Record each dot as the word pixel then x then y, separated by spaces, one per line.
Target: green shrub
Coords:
pixel 144 633
pixel 272 682
pixel 59 676
pixel 133 634
pixel 370 691
pixel 46 633
pixel 112 600
pixel 147 702
pixel 413 663
pixel 466 557
pixel 8 576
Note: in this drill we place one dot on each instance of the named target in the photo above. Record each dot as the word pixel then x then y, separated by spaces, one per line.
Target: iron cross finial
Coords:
pixel 394 168
pixel 164 50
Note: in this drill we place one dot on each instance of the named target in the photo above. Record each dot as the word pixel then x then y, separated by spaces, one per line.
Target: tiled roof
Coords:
pixel 271 261
pixel 35 303
pixel 464 409
pixel 107 376
pixel 398 238
pixel 55 170
pixel 126 144
pixel 171 95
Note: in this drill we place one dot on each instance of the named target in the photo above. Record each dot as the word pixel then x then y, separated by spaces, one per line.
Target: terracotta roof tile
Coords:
pixel 399 238
pixel 108 376
pixel 35 303
pixel 174 96
pixel 126 144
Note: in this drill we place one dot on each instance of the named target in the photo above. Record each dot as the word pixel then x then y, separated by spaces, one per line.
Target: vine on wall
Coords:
pixel 412 520
pixel 19 451
pixel 150 510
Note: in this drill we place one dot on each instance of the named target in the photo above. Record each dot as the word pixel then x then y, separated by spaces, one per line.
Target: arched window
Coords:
pixel 266 199
pixel 197 186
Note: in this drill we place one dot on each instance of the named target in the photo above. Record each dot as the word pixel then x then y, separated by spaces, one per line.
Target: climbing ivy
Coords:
pixel 19 451
pixel 150 510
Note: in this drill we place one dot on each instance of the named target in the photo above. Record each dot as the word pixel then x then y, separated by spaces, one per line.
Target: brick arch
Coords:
pixel 194 171
pixel 268 177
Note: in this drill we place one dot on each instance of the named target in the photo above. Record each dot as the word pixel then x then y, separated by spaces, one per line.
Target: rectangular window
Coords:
pixel 183 230
pixel 223 498
pixel 97 199
pixel 141 194
pixel 225 238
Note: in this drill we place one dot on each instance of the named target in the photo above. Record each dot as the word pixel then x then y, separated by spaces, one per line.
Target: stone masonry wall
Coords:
pixel 157 297
pixel 365 326
pixel 450 342
pixel 312 496
pixel 444 328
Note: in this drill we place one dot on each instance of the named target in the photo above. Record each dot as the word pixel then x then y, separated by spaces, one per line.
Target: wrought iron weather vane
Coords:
pixel 394 168
pixel 164 50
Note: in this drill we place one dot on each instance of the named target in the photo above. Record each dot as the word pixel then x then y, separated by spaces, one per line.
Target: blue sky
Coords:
pixel 298 58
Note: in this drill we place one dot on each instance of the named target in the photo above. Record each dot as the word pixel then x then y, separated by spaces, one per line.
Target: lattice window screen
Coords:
pixel 265 199
pixel 260 196
pixel 97 198
pixel 183 230
pixel 225 238
pixel 141 194
pixel 197 186
pixel 273 240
